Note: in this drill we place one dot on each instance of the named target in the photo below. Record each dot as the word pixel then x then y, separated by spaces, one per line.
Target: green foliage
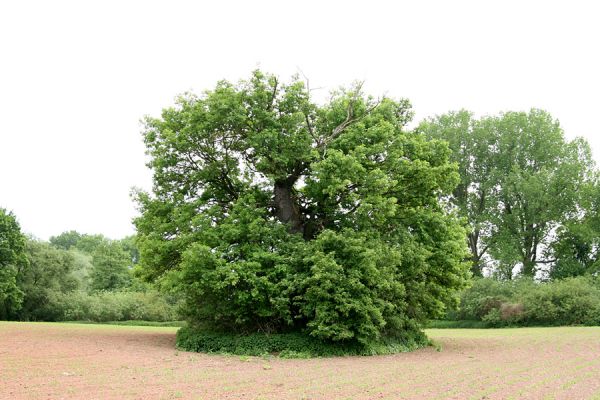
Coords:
pixel 174 324
pixel 82 269
pixel 59 281
pixel 89 243
pixel 12 259
pixel 521 181
pixel 571 301
pixel 111 267
pixel 452 324
pixel 577 250
pixel 66 240
pixel 128 244
pixel 565 302
pixel 473 145
pixel 113 306
pixel 543 177
pixel 270 213
pixel 103 264
pixel 48 273
pixel 289 345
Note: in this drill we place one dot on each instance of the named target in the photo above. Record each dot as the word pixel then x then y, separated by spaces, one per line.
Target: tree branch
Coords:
pixel 546 261
pixel 273 95
pixel 350 118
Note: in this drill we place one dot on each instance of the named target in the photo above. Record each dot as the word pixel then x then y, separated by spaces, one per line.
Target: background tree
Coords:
pixel 49 272
pixel 12 259
pixel 66 240
pixel 102 263
pixel 542 178
pixel 128 244
pixel 272 213
pixel 83 268
pixel 89 243
pixel 522 186
pixel 475 149
pixel 577 247
pixel 111 267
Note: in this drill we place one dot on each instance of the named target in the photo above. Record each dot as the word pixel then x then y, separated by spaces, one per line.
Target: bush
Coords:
pixel 288 345
pixel 116 306
pixel 571 301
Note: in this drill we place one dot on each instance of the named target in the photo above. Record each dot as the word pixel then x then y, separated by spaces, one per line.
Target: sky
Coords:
pixel 77 77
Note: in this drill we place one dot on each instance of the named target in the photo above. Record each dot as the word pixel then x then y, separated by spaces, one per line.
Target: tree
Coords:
pixel 12 259
pixel 474 149
pixel 272 213
pixel 89 243
pixel 66 240
pixel 543 176
pixel 102 263
pixel 128 244
pixel 111 267
pixel 577 245
pixel 49 272
pixel 521 186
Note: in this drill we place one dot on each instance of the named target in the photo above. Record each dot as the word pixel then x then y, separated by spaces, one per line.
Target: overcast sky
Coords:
pixel 76 77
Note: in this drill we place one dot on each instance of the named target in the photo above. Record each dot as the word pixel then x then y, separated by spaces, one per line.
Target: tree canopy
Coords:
pixel 272 213
pixel 523 188
pixel 12 258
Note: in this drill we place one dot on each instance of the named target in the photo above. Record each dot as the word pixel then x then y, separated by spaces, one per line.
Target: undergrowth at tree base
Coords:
pixel 291 345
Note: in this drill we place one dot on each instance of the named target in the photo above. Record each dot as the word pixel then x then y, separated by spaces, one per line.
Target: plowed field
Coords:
pixel 69 361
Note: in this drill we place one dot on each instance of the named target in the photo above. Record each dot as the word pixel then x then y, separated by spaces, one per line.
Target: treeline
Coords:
pixel 529 196
pixel 74 277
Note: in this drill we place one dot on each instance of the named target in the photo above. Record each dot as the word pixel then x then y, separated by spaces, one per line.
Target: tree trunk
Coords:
pixel 528 268
pixel 286 208
pixel 473 239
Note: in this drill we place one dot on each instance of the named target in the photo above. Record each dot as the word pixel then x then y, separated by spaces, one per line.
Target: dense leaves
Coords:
pixel 74 277
pixel 290 345
pixel 111 267
pixel 524 302
pixel 12 259
pixel 272 213
pixel 49 273
pixel 522 189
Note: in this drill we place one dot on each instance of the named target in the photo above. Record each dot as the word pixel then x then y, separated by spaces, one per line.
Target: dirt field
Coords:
pixel 66 361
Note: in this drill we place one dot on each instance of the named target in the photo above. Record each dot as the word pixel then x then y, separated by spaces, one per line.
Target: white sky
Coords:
pixel 76 77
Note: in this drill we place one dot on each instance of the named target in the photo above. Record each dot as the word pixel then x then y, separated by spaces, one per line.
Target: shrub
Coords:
pixel 571 301
pixel 565 302
pixel 289 345
pixel 116 306
pixel 482 297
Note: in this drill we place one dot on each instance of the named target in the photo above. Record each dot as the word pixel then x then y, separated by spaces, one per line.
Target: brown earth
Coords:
pixel 68 361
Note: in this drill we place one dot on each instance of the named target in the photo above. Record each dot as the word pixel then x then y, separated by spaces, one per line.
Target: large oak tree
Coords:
pixel 273 213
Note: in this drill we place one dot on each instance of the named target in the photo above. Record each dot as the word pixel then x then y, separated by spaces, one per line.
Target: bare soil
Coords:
pixel 69 361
